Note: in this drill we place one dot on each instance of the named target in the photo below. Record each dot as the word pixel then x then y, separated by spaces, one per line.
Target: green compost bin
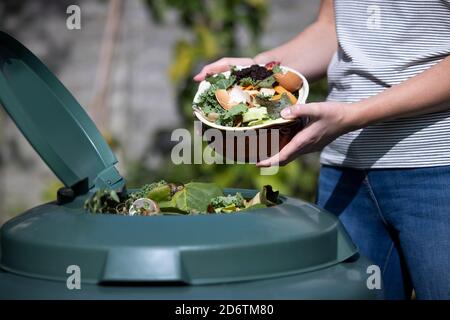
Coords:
pixel 290 251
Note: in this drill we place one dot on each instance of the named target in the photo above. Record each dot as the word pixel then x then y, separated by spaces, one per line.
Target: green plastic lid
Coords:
pixel 52 120
pixel 290 238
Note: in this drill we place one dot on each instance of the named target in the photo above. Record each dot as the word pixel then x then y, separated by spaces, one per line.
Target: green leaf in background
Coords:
pixel 207 45
pixel 49 193
pixel 183 61
pixel 157 9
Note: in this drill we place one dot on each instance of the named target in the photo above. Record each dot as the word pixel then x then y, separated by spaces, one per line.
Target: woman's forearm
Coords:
pixel 424 93
pixel 311 51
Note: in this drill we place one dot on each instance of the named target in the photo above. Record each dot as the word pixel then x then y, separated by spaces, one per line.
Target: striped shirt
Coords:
pixel 382 43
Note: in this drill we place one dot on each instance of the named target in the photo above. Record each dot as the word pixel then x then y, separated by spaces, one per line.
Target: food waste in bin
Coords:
pixel 171 198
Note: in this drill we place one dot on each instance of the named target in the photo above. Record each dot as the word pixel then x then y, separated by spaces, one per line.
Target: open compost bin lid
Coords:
pixel 52 120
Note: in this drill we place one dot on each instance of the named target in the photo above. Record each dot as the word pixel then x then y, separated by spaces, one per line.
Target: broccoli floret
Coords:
pixel 225 201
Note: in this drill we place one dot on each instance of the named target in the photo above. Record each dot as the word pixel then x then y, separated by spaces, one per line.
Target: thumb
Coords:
pixel 299 110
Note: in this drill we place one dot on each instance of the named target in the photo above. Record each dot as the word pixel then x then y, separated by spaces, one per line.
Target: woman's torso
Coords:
pixel 382 43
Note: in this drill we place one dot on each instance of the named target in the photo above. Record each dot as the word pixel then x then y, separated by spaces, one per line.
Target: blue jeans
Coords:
pixel 400 219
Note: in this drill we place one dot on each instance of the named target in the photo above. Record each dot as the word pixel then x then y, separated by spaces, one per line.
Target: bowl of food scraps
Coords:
pixel 243 106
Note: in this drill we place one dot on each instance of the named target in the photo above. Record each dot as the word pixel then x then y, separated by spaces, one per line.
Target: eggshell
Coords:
pixel 237 95
pixel 267 91
pixel 223 98
pixel 289 80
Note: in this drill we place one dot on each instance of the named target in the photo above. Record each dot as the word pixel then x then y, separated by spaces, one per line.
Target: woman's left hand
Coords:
pixel 327 121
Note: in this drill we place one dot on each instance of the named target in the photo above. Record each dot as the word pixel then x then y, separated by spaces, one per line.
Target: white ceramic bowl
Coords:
pixel 204 85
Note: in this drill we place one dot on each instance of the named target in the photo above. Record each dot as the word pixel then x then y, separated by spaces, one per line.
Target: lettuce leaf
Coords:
pixel 267 196
pixel 274 107
pixel 266 83
pixel 255 114
pixel 258 122
pixel 247 81
pixel 208 102
pixel 193 198
pixel 229 116
pixel 221 81
pixel 277 69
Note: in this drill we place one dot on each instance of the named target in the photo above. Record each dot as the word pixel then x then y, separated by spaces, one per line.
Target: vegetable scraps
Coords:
pixel 170 198
pixel 249 96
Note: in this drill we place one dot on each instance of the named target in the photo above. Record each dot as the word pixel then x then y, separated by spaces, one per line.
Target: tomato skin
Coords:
pixel 271 64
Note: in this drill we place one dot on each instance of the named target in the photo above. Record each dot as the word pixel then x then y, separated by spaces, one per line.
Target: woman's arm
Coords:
pixel 427 92
pixel 424 93
pixel 309 52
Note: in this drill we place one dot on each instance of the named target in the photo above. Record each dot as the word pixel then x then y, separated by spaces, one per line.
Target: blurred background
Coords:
pixel 130 65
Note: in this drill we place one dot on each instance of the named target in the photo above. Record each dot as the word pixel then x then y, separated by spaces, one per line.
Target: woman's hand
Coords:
pixel 222 65
pixel 327 121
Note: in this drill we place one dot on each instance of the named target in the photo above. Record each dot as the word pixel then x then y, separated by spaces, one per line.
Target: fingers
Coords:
pixel 300 110
pixel 287 154
pixel 215 67
pixel 221 65
pixel 300 144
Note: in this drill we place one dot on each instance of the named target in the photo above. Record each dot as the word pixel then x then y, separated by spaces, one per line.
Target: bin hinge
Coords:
pixel 109 178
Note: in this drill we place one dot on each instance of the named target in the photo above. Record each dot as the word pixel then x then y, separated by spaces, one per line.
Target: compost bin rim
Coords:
pixel 262 244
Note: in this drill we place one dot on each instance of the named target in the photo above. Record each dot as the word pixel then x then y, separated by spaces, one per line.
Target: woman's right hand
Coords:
pixel 222 65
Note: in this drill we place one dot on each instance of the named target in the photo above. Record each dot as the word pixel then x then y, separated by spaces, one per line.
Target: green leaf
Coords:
pixel 228 118
pixel 266 83
pixel 274 107
pixel 228 209
pixel 207 42
pixel 208 102
pixel 193 198
pixel 267 196
pixel 237 109
pixel 184 57
pixel 277 69
pixel 255 114
pixel 247 81
pixel 114 196
pixel 221 81
pixel 157 9
pixel 255 206
pixel 257 122
pixel 225 201
pixel 160 193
